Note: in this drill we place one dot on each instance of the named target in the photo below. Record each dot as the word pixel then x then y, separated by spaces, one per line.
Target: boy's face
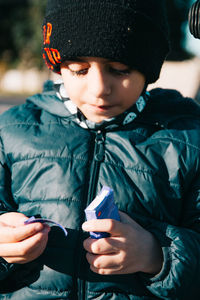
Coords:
pixel 100 88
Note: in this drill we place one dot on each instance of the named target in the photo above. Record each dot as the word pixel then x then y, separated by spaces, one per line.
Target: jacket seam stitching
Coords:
pixel 178 141
pixel 48 157
pixel 131 168
pixel 49 290
pixel 50 200
pixel 32 124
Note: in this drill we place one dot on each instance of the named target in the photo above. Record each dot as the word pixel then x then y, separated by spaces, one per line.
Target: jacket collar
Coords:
pixel 121 120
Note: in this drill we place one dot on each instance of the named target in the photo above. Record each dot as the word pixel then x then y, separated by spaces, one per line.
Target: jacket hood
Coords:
pixel 50 101
pixel 167 105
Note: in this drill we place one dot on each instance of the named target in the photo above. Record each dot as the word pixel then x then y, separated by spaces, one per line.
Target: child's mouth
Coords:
pixel 102 107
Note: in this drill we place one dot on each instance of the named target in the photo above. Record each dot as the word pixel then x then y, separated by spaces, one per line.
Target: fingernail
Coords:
pixel 85 226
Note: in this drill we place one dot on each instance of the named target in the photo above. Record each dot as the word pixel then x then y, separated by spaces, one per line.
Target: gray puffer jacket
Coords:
pixel 52 167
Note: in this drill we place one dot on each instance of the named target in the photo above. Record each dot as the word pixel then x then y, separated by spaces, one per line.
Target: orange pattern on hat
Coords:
pixel 47 31
pixel 52 54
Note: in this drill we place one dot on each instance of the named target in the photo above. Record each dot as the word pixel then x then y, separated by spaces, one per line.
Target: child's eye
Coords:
pixel 119 72
pixel 79 72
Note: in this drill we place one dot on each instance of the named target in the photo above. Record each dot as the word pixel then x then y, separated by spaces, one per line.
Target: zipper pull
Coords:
pixel 99 146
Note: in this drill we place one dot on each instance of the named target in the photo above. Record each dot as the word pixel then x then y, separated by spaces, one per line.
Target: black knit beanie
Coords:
pixel 133 32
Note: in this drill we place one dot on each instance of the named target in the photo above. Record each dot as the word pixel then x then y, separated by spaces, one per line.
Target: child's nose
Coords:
pixel 99 83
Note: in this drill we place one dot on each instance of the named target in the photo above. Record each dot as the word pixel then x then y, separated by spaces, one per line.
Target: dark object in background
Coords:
pixel 194 19
pixel 178 21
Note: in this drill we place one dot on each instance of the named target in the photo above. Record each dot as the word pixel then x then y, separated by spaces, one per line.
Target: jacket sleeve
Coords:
pixel 179 278
pixel 5 206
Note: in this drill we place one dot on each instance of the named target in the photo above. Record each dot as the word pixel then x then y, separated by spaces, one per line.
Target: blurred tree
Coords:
pixel 33 48
pixel 20 32
pixel 9 12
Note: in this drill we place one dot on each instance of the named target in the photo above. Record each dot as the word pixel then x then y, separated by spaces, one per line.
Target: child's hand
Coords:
pixel 129 249
pixel 21 243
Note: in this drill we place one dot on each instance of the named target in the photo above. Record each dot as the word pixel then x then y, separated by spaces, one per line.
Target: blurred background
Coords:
pixel 23 72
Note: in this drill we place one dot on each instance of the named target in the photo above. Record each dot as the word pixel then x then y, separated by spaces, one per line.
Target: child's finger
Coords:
pixel 106 271
pixel 115 228
pixel 109 271
pixel 104 261
pixel 15 260
pixel 26 249
pixel 102 246
pixel 17 234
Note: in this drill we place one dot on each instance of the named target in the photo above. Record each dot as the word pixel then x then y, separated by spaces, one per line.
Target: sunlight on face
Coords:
pixel 100 88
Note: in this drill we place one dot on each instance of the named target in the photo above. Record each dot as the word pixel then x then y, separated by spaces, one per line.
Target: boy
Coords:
pixel 100 127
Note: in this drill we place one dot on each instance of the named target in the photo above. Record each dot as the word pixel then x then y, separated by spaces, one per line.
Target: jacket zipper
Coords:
pixel 98 156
